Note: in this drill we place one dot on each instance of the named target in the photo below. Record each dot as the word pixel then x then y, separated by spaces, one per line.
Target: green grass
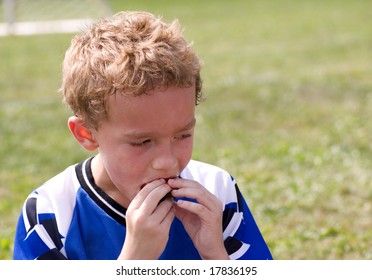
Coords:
pixel 288 110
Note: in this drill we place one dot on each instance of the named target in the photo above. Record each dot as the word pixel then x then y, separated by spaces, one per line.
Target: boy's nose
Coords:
pixel 166 161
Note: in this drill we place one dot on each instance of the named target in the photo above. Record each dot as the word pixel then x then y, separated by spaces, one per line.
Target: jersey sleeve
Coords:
pixel 37 235
pixel 242 237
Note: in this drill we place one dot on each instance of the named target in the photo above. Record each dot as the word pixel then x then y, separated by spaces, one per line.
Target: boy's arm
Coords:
pixel 37 235
pixel 242 237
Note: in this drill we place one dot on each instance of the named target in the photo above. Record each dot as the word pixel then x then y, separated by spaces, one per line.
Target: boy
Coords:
pixel 133 82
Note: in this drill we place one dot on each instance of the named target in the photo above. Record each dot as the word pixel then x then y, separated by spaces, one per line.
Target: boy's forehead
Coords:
pixel 172 105
pixel 152 96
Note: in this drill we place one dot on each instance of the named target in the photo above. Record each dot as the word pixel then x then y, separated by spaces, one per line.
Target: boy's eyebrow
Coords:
pixel 140 134
pixel 189 125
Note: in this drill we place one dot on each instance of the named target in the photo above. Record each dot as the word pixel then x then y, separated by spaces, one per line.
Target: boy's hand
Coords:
pixel 202 220
pixel 148 222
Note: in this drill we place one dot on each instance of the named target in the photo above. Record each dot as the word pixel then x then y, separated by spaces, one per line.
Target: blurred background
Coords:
pixel 288 110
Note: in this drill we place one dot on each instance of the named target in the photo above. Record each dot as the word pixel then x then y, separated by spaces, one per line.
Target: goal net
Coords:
pixel 27 17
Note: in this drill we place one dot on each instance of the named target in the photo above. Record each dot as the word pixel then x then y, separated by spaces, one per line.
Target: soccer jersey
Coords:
pixel 70 217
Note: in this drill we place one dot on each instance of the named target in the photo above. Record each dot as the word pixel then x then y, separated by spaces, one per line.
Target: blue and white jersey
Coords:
pixel 70 217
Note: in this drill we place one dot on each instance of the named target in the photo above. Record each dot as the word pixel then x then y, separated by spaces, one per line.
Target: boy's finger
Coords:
pixel 152 200
pixel 145 191
pixel 196 208
pixel 167 212
pixel 192 189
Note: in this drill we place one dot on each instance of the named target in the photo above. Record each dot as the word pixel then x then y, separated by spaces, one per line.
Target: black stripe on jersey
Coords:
pixel 226 217
pixel 53 254
pixel 51 227
pixel 239 198
pixel 232 245
pixel 31 212
pixel 229 212
pixel 79 172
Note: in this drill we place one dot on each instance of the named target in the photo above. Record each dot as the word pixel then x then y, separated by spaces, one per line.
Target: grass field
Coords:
pixel 288 113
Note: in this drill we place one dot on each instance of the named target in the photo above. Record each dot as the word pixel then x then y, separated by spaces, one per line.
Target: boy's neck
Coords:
pixel 102 180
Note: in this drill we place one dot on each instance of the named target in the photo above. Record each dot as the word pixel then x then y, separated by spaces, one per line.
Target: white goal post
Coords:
pixel 28 17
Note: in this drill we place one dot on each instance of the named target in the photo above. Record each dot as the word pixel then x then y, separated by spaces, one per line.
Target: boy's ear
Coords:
pixel 82 133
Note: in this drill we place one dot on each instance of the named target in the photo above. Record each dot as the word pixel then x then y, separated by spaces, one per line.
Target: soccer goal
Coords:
pixel 27 17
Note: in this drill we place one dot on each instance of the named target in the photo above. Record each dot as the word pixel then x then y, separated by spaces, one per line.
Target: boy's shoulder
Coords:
pixel 55 197
pixel 59 191
pixel 65 178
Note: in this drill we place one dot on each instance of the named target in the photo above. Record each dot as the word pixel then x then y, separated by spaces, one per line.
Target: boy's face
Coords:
pixel 145 138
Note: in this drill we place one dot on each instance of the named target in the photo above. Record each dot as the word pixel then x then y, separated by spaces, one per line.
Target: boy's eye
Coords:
pixel 147 141
pixel 183 136
pixel 139 144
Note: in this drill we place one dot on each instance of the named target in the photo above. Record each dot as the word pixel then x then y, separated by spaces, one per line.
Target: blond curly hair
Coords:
pixel 128 53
